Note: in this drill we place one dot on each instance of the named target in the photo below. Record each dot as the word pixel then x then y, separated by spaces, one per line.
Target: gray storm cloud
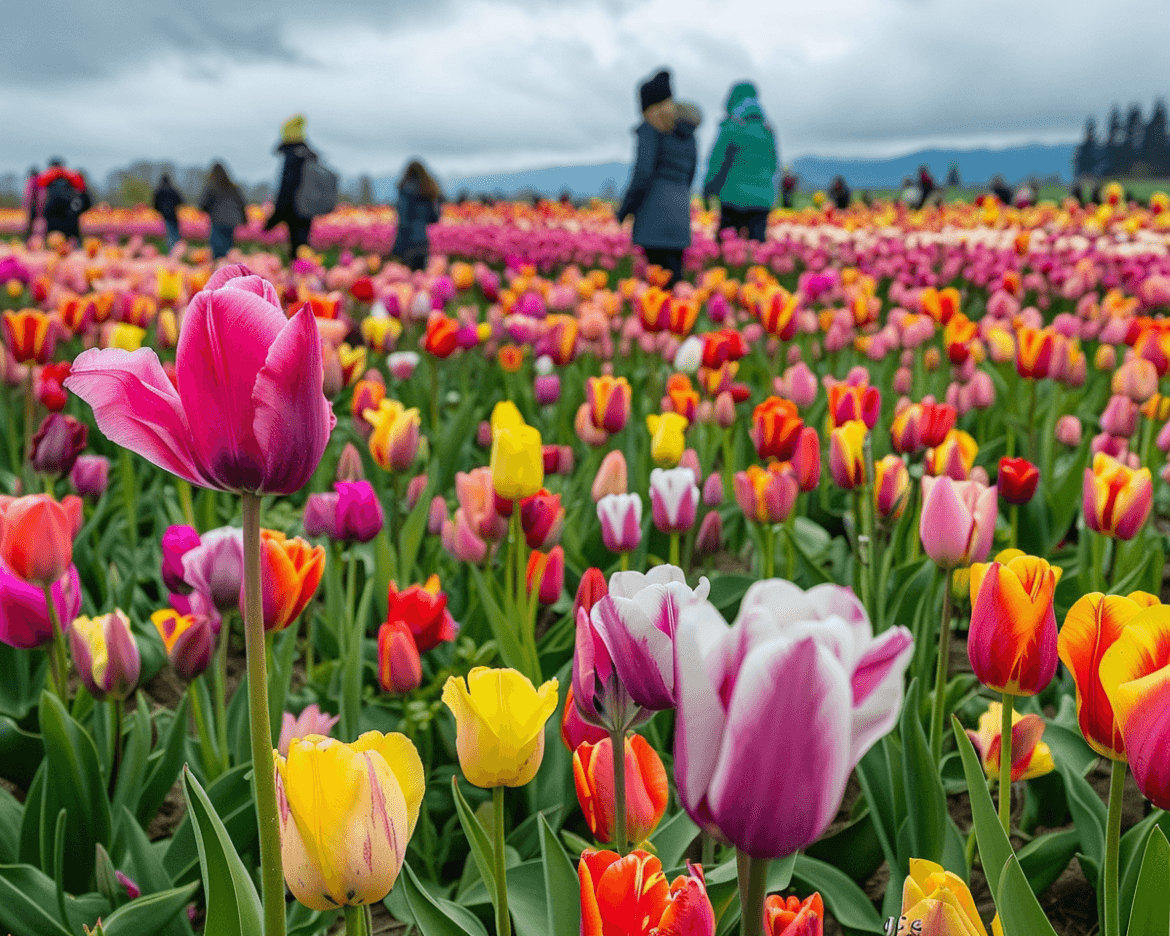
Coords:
pixel 481 85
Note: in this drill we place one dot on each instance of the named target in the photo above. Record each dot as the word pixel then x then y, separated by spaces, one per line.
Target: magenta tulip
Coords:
pixel 776 711
pixel 24 614
pixel 621 521
pixel 177 541
pixel 215 567
pixel 250 414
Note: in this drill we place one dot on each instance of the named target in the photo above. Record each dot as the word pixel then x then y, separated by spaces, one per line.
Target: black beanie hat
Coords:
pixel 656 89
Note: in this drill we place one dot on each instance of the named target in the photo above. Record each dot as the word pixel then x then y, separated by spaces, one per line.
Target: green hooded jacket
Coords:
pixel 743 162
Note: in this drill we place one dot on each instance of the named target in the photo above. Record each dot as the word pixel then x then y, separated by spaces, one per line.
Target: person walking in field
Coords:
pixel 167 200
pixel 419 203
pixel 659 193
pixel 66 199
pixel 224 203
pixel 742 168
pixel 296 153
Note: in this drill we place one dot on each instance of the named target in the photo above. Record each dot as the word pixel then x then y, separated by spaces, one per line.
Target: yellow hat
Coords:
pixel 293 129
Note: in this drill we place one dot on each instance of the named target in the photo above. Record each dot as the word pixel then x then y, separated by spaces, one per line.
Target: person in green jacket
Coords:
pixel 743 163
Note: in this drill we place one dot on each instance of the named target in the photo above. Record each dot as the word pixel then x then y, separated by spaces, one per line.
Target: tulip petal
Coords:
pixel 641 650
pixel 877 689
pixel 700 672
pixel 786 742
pixel 224 342
pixel 1143 708
pixel 293 419
pixel 403 760
pixel 136 406
pixel 947 526
pixel 1092 626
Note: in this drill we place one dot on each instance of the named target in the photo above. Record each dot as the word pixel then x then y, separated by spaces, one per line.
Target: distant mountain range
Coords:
pixel 976 167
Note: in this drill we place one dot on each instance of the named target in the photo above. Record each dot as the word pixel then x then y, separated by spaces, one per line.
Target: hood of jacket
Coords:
pixel 687 119
pixel 742 103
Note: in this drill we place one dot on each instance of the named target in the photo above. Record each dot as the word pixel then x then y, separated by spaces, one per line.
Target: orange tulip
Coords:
pixel 1116 498
pixel 609 401
pixel 775 428
pixel 794 917
pixel 30 334
pixel 954 456
pixel 630 897
pixel 1091 627
pixel 683 397
pixel 1012 640
pixel 647 790
pixel 36 536
pixel 1135 674
pixel 290 570
pixel 1034 355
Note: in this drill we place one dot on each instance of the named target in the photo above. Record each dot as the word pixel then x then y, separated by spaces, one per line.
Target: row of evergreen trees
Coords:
pixel 1133 147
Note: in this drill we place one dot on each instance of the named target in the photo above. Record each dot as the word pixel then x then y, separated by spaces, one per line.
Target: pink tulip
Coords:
pixel 1120 416
pixel 311 721
pixel 461 541
pixel 674 499
pixel 1068 430
pixel 251 414
pixel 620 516
pixel 778 709
pixel 24 614
pixel 958 521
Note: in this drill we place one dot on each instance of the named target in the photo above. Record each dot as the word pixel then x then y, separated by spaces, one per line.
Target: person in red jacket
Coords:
pixel 66 199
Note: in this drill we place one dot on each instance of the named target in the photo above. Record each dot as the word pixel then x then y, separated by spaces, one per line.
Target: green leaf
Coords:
pixel 411 535
pixel 1019 910
pixel 1044 858
pixel 1088 812
pixel 504 631
pixel 1150 912
pixel 233 907
pixel 163 767
pixel 854 849
pixel 11 813
pixel 26 893
pixel 845 900
pixel 435 916
pixel 73 782
pixel 481 846
pixel 560 883
pixel 1132 851
pixel 231 797
pixel 148 916
pixel 994 847
pixel 132 773
pixel 924 789
pixel 21 752
pixel 1069 748
pixel 146 870
pixel 874 778
pixel 673 838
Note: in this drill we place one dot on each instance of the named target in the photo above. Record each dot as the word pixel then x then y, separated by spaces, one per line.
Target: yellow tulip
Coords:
pixel 380 333
pixel 505 415
pixel 939 902
pixel 667 438
pixel 346 814
pixel 395 439
pixel 127 337
pixel 499 722
pixel 517 461
pixel 170 284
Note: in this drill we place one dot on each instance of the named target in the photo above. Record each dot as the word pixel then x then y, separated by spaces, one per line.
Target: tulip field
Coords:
pixel 329 590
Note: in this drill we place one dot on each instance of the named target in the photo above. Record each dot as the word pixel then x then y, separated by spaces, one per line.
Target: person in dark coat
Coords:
pixel 419 201
pixel 167 200
pixel 66 199
pixel 296 152
pixel 787 187
pixel 926 184
pixel 1001 190
pixel 32 200
pixel 742 169
pixel 224 203
pixel 659 194
pixel 840 192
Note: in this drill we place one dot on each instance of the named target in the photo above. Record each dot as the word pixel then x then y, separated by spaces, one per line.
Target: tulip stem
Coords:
pixel 58 663
pixel 1014 516
pixel 768 560
pixel 674 549
pixel 707 856
pixel 503 921
pixel 263 773
pixel 940 679
pixel 30 403
pixel 624 562
pixel 617 740
pixel 206 746
pixel 116 763
pixel 130 496
pixel 1005 764
pixel 355 921
pixel 219 696
pixel 753 888
pixel 1113 849
pixel 184 489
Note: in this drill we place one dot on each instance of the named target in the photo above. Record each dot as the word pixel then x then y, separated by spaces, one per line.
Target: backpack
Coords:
pixel 62 199
pixel 317 193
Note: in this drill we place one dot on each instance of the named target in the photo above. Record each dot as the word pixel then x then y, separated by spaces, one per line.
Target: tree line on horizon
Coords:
pixel 1132 147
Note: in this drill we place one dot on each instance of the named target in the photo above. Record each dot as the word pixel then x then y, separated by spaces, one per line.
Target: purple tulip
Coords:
pixel 598 693
pixel 320 517
pixel 547 388
pixel 359 512
pixel 251 414
pixel 90 475
pixel 674 497
pixel 24 615
pixel 177 541
pixel 776 711
pixel 216 566
pixel 57 443
pixel 621 521
pixel 710 535
pixel 636 621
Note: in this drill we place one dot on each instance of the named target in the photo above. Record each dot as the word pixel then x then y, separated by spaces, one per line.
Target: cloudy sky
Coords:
pixel 498 85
